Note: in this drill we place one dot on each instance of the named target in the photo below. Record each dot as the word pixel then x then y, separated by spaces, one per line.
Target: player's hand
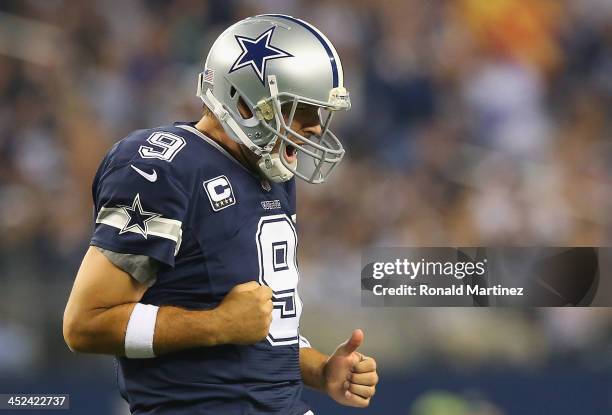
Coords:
pixel 350 377
pixel 245 314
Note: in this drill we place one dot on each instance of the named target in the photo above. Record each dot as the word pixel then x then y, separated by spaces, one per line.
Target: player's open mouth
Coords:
pixel 290 153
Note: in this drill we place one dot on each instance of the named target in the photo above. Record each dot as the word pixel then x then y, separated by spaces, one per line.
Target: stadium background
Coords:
pixel 475 122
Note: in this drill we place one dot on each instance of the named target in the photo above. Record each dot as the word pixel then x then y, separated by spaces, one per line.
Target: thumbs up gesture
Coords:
pixel 350 377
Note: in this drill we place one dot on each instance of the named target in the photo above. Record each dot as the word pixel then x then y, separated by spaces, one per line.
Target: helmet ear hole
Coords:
pixel 232 92
pixel 243 109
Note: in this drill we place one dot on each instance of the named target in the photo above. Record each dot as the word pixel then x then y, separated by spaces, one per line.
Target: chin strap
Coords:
pixel 273 168
pixel 270 164
pixel 225 118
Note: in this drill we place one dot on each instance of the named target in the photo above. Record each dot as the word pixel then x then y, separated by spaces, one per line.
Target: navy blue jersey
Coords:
pixel 176 196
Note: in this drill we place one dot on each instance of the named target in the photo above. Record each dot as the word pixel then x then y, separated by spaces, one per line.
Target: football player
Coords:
pixel 191 279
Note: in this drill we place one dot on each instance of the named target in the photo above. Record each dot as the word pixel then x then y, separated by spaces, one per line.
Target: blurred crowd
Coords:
pixel 474 122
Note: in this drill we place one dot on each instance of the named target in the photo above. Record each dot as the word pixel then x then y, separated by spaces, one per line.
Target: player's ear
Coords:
pixel 244 110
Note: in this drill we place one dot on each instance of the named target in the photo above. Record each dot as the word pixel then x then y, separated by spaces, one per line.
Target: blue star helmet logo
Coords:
pixel 257 52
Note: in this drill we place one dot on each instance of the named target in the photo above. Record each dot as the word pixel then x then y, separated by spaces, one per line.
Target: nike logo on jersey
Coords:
pixel 152 177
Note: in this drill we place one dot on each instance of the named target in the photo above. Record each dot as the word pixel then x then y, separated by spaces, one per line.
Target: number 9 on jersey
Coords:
pixel 276 248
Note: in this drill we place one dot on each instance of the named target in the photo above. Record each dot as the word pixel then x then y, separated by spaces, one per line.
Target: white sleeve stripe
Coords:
pixel 162 227
pixel 304 343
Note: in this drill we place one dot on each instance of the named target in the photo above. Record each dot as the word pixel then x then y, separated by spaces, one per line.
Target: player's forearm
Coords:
pixel 99 330
pixel 178 329
pixel 103 331
pixel 312 364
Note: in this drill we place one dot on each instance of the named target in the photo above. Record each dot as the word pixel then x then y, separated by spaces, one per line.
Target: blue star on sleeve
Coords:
pixel 138 219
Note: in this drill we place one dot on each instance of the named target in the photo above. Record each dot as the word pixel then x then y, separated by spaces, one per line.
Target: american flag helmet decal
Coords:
pixel 209 74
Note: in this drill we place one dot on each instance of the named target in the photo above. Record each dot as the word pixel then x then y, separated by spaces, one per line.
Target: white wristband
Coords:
pixel 140 332
pixel 304 343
